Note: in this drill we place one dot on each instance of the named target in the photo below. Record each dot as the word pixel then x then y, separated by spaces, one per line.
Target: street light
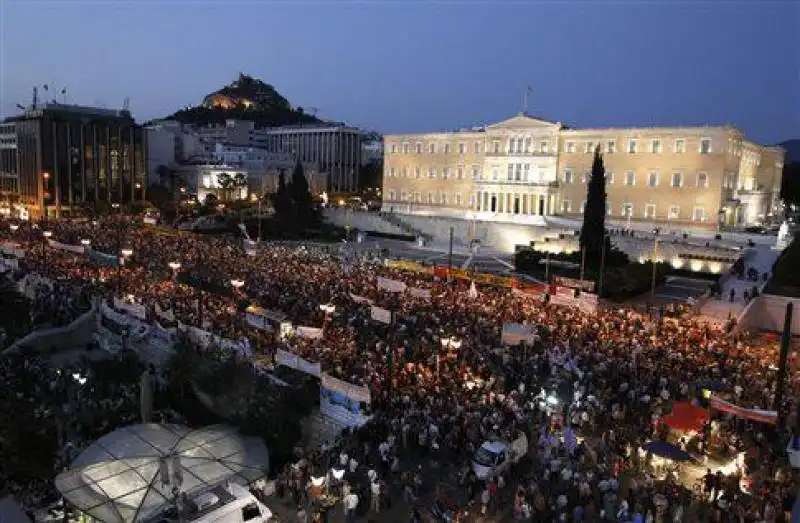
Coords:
pixel 327 309
pixel 654 261
pixel 14 227
pixel 123 253
pixel 174 266
pixel 236 284
pixel 46 235
pixel 85 242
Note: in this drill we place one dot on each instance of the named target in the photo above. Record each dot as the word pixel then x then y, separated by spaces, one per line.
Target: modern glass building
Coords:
pixel 70 158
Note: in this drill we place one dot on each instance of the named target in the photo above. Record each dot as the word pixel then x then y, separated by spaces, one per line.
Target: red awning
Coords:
pixel 686 417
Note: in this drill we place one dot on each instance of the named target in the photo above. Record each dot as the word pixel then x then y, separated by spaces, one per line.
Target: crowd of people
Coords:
pixel 588 392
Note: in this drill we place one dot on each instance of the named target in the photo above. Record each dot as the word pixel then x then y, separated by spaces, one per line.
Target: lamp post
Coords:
pixel 46 236
pixel 654 262
pixel 45 187
pixel 139 188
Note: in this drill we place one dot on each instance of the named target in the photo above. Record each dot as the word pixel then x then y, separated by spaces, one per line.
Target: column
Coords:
pixel 484 205
pixel 509 203
pixel 478 201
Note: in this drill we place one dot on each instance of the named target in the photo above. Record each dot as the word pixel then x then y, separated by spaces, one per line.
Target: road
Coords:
pixel 676 289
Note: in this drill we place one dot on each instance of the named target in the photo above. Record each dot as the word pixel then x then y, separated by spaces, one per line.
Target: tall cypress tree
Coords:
pixel 283 200
pixel 594 214
pixel 301 196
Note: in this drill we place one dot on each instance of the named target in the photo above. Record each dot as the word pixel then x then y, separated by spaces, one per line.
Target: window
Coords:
pixel 477 148
pixel 627 209
pixel 699 214
pixel 632 146
pixel 495 174
pixel 543 147
pixel 250 511
pixel 655 146
pixel 394 148
pixel 680 145
pixel 526 172
pixel 496 147
pixel 589 147
pixel 587 176
pixel 650 210
pixel 431 148
pixel 405 172
pixel 609 178
pixel 403 195
pixel 677 179
pixel 418 148
pixel 476 173
pixel 392 195
pixel 528 144
pixel 458 198
pixel 430 197
pixel 431 173
pixel 518 172
pixel 445 173
pixel 567 176
pixel 416 173
pixel 405 148
pixel 461 148
pixel 611 147
pixel 510 176
pixel 705 145
pixel 512 145
pixel 569 147
pixel 443 198
pixel 609 207
pixel 630 178
pixel 652 179
pixel 392 173
pixel 446 148
pixel 460 173
pixel 566 206
pixel 674 212
pixel 702 180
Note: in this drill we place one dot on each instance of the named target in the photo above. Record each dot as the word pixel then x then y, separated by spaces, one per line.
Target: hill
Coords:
pixel 792 150
pixel 246 98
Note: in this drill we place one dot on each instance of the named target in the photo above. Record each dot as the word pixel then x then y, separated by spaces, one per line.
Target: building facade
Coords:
pixel 69 156
pixel 170 143
pixel 335 149
pixel 526 169
pixel 234 132
pixel 8 165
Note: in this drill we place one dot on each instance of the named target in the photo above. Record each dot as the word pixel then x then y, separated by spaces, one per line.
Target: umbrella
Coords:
pixel 667 451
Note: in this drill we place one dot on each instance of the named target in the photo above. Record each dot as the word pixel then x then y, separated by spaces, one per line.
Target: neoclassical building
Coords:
pixel 526 168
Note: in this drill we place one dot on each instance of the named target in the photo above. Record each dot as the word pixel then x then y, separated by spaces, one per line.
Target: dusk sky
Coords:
pixel 418 66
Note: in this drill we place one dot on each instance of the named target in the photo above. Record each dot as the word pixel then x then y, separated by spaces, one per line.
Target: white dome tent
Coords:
pixel 136 472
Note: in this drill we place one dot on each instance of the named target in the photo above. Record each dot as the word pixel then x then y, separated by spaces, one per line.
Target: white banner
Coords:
pixel 78 249
pixel 288 359
pixel 419 293
pixel 260 318
pixel 381 315
pixel 360 299
pixel 390 285
pixel 12 249
pixel 353 392
pixel 134 309
pixel 311 333
pixel 149 220
pixel 516 333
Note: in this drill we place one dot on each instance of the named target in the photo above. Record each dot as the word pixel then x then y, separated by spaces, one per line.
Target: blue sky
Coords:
pixel 422 66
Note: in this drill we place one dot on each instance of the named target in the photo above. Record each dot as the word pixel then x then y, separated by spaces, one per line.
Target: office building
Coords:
pixel 170 143
pixel 69 157
pixel 334 148
pixel 525 169
pixel 233 132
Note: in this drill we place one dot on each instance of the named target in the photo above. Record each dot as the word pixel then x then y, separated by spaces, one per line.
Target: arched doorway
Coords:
pixel 493 206
pixel 541 206
pixel 516 205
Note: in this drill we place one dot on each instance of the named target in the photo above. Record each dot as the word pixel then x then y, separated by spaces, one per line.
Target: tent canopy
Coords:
pixel 686 417
pixel 129 474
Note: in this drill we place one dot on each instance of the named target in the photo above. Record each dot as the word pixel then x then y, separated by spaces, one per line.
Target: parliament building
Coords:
pixel 526 169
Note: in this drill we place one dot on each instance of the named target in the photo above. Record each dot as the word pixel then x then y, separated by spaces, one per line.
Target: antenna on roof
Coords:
pixel 528 92
pixel 126 105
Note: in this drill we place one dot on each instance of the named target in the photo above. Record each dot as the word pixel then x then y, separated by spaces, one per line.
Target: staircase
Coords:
pixel 402 225
pixel 318 428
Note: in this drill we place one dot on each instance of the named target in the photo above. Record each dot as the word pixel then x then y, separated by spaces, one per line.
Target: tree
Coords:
pixel 282 201
pixel 790 184
pixel 226 183
pixel 594 214
pixel 239 182
pixel 301 196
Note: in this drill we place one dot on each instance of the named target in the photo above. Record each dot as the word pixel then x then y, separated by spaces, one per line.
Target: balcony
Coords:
pixel 523 154
pixel 516 183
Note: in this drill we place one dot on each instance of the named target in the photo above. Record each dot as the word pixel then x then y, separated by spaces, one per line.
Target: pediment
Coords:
pixel 524 121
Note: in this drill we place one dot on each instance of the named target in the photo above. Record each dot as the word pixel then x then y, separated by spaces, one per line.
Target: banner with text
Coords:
pixel 764 416
pixel 102 258
pixel 419 293
pixel 381 315
pixel 572 283
pixel 360 299
pixel 77 249
pixel 288 359
pixel 311 333
pixel 516 333
pixel 390 285
pixel 354 392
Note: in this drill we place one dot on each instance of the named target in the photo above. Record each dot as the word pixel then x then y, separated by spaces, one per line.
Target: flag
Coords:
pixel 390 285
pixel 381 315
pixel 473 291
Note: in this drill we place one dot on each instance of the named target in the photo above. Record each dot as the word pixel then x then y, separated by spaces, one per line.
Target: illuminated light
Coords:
pixel 47 234
pixel 552 400
pixel 174 266
pixel 715 267
pixel 642 259
pixel 341 203
pixel 237 283
pixel 126 252
pixel 696 265
pixel 677 263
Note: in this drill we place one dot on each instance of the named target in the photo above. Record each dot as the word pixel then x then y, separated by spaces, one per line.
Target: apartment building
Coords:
pixel 525 169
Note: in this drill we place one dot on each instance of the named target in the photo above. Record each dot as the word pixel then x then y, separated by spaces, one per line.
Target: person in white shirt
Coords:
pixel 375 489
pixel 349 504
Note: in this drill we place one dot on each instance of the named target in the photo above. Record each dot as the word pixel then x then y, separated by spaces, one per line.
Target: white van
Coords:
pixel 496 457
pixel 225 503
